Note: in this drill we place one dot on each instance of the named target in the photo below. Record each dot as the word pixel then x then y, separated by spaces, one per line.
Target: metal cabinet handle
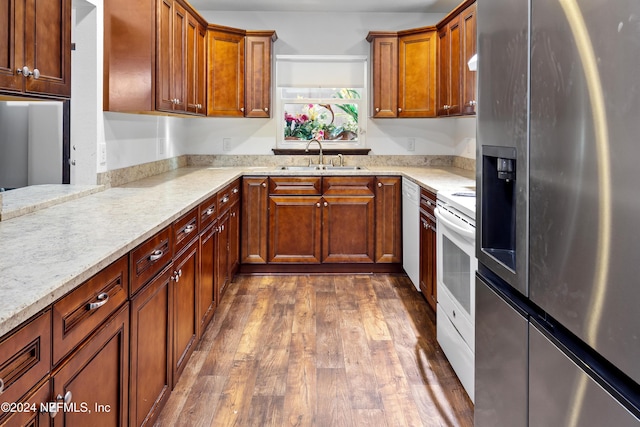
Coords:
pixel 26 72
pixel 264 184
pixel 177 275
pixel 209 212
pixel 429 203
pixel 377 110
pixel 242 109
pixel 36 73
pixel 472 103
pixel 235 191
pixel 399 110
pixel 103 298
pixel 156 255
pixel 266 109
pixel 52 407
pixel 380 185
pixel 318 204
pixel 326 204
pixel 225 199
pixel 189 228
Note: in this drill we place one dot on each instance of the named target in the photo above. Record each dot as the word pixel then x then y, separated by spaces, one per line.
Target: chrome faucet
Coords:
pixel 319 145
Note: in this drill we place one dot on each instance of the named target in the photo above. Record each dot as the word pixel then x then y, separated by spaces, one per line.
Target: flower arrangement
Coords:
pixel 316 121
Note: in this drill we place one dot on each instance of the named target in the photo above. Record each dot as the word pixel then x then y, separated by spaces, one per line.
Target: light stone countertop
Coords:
pixel 49 252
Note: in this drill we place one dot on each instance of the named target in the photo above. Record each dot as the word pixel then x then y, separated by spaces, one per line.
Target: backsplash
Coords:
pixel 118 177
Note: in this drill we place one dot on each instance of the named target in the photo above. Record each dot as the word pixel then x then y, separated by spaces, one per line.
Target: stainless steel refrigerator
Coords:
pixel 558 185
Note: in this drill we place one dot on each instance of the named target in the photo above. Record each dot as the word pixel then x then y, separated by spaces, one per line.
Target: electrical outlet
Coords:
pixel 102 154
pixel 162 143
pixel 411 144
pixel 226 144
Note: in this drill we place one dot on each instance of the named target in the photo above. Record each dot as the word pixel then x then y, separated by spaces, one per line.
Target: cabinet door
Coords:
pixel 234 239
pixel 225 81
pixel 171 57
pixel 97 377
pixel 449 70
pixel 150 350
pixel 294 229
pixel 48 47
pixel 258 76
pixel 384 52
pixel 348 232
pixel 29 418
pixel 11 44
pixel 417 74
pixel 222 259
pixel 183 296
pixel 468 19
pixel 253 246
pixel 428 259
pixel 388 220
pixel 196 66
pixel 206 297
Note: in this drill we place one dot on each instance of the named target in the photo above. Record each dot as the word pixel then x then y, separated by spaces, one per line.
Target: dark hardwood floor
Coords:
pixel 356 350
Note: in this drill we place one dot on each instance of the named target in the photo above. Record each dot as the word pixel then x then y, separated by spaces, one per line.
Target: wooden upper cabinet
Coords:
pixel 468 22
pixel 449 69
pixel 457 44
pixel 258 73
pixel 225 73
pixel 171 57
pixel 196 67
pixel 35 48
pixel 154 57
pixel 384 69
pixel 417 73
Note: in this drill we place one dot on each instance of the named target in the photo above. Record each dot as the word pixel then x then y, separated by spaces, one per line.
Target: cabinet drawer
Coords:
pixel 427 201
pixel 208 211
pixel 28 418
pixel 185 230
pixel 25 358
pixel 295 185
pixel 347 186
pixel 82 311
pixel 228 196
pixel 149 258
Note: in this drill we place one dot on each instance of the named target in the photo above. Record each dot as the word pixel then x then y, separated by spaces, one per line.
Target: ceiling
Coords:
pixel 405 6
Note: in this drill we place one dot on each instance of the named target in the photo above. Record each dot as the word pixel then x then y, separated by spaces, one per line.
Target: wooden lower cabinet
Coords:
pixel 95 379
pixel 206 297
pixel 253 246
pixel 234 239
pixel 295 224
pixel 348 229
pixel 222 258
pixel 183 300
pixel 31 418
pixel 150 350
pixel 428 234
pixel 388 219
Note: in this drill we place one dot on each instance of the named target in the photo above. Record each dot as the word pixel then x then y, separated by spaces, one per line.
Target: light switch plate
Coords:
pixel 411 144
pixel 226 144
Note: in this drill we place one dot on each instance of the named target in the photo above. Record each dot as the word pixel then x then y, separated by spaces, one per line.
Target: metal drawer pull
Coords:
pixel 264 184
pixel 318 204
pixel 209 212
pixel 380 184
pixel 225 199
pixel 235 191
pixel 103 298
pixel 326 204
pixel 189 228
pixel 156 255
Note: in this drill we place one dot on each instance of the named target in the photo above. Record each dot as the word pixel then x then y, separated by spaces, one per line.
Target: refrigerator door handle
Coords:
pixel 442 217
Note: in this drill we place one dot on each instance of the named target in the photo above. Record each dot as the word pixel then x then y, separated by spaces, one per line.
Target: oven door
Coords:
pixel 456 267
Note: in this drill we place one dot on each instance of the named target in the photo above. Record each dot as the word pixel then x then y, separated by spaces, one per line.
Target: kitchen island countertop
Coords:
pixel 49 252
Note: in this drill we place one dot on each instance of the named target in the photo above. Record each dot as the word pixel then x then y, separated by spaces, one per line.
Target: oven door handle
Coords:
pixel 442 218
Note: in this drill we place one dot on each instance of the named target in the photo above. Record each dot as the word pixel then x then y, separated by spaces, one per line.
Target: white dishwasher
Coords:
pixel 411 230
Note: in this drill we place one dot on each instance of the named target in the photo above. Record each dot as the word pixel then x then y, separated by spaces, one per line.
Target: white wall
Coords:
pixel 131 139
pixel 301 33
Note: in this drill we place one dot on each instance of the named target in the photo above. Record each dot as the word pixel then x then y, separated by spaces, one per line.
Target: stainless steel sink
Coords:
pixel 319 167
pixel 344 168
pixel 301 168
